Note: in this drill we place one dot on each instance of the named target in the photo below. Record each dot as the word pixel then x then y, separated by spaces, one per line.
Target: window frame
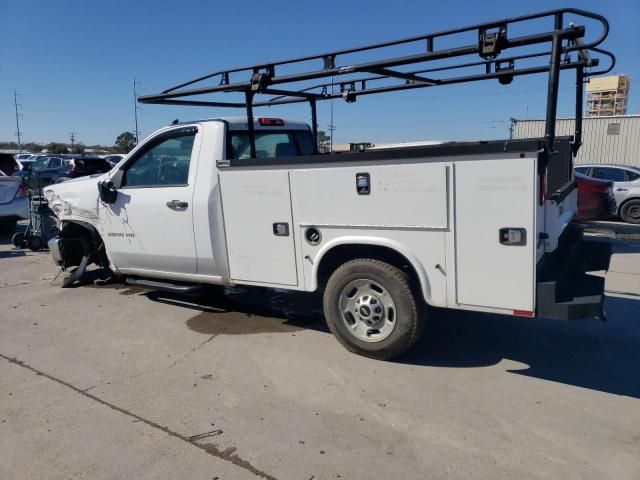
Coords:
pixel 624 175
pixel 628 174
pixel 258 131
pixel 152 143
pixel 57 160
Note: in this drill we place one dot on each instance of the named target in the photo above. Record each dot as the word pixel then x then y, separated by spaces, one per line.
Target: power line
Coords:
pixel 18 116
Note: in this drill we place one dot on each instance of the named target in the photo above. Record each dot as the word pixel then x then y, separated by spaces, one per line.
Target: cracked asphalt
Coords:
pixel 117 382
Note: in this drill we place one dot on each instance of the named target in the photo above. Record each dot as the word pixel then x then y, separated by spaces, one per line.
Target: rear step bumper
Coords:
pixel 564 290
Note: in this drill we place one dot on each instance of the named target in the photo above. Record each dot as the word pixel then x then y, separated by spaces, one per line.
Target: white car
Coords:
pixel 14 202
pixel 22 156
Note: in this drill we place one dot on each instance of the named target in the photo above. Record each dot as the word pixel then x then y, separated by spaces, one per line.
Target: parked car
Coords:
pixel 8 164
pixel 14 202
pixel 626 187
pixel 595 198
pixel 114 159
pixel 22 156
pixel 82 165
pixel 58 168
pixel 25 166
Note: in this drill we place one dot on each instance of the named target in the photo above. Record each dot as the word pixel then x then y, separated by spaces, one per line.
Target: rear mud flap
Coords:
pixel 564 290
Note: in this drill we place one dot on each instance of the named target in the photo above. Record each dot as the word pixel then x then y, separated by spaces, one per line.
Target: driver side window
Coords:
pixel 162 164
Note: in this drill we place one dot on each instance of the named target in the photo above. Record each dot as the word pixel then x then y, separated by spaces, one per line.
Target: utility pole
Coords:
pixel 512 126
pixel 135 108
pixel 72 136
pixel 18 116
pixel 331 127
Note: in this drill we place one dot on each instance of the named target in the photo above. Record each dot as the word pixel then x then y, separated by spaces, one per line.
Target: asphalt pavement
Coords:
pixel 116 382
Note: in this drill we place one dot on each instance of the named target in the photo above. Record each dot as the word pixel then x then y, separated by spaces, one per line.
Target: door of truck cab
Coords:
pixel 150 225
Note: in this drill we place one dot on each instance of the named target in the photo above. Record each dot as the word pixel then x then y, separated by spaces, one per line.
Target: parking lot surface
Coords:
pixel 114 382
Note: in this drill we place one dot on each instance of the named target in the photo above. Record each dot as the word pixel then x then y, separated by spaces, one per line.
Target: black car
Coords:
pixel 57 168
pixel 8 164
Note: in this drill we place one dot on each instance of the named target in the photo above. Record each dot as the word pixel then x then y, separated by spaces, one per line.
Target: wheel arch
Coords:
pixel 342 250
pixel 625 201
pixel 91 238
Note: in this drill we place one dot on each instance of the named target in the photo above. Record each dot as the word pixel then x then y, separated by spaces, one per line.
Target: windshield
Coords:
pixel 271 144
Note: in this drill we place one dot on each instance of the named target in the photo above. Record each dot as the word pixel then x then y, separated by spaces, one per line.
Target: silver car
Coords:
pixel 14 204
pixel 626 187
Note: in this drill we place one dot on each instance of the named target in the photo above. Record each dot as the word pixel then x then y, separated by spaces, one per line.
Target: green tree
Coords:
pixel 32 147
pixel 78 148
pixel 8 145
pixel 55 147
pixel 323 141
pixel 125 142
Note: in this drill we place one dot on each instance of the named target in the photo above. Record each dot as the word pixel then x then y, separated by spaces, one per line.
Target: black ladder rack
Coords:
pixel 562 47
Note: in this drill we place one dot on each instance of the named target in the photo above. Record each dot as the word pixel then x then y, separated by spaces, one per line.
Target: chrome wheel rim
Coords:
pixel 367 310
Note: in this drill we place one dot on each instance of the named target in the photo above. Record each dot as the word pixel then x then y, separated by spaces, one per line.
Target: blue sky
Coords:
pixel 73 62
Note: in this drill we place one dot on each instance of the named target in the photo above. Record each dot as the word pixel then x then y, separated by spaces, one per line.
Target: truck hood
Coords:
pixel 75 199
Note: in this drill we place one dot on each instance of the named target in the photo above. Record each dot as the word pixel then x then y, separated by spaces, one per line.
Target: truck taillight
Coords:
pixel 22 192
pixel 271 122
pixel 543 188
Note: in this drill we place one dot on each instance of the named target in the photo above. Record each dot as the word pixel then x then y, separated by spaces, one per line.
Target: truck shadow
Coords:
pixel 603 356
pixel 248 310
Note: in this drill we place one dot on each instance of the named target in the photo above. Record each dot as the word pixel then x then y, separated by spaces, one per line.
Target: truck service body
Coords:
pixel 483 226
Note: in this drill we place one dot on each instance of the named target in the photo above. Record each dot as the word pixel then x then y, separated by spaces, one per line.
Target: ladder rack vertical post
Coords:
pixel 552 90
pixel 314 124
pixel 250 126
pixel 577 135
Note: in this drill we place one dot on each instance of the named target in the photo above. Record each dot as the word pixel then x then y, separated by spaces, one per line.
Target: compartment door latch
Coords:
pixel 513 236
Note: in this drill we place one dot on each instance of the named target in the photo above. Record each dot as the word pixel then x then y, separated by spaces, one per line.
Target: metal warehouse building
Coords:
pixel 613 139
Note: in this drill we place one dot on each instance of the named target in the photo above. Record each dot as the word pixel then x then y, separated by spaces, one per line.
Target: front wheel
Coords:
pixel 18 240
pixel 630 211
pixel 372 310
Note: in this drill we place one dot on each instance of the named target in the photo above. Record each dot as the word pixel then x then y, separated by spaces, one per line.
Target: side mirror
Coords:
pixel 108 192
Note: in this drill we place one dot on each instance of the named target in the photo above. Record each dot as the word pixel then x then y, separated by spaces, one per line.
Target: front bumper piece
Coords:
pixel 565 290
pixel 54 249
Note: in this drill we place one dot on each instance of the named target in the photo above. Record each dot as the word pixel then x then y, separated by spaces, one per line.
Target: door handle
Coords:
pixel 621 189
pixel 512 236
pixel 177 204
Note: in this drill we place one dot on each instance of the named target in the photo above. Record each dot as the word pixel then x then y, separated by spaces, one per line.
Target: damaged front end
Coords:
pixel 77 245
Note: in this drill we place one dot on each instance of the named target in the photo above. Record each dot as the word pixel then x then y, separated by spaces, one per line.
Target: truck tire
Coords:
pixel 630 211
pixel 372 309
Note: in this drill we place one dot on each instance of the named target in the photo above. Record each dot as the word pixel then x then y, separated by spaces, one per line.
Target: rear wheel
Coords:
pixel 630 211
pixel 9 226
pixel 372 310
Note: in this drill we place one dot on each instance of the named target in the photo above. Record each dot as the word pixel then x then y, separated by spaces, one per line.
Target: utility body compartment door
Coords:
pixel 496 232
pixel 258 224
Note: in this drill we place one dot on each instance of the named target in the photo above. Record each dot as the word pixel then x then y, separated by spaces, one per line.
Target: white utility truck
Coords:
pixel 483 226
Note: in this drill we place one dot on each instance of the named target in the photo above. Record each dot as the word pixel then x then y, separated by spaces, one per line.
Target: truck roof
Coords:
pixel 240 123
